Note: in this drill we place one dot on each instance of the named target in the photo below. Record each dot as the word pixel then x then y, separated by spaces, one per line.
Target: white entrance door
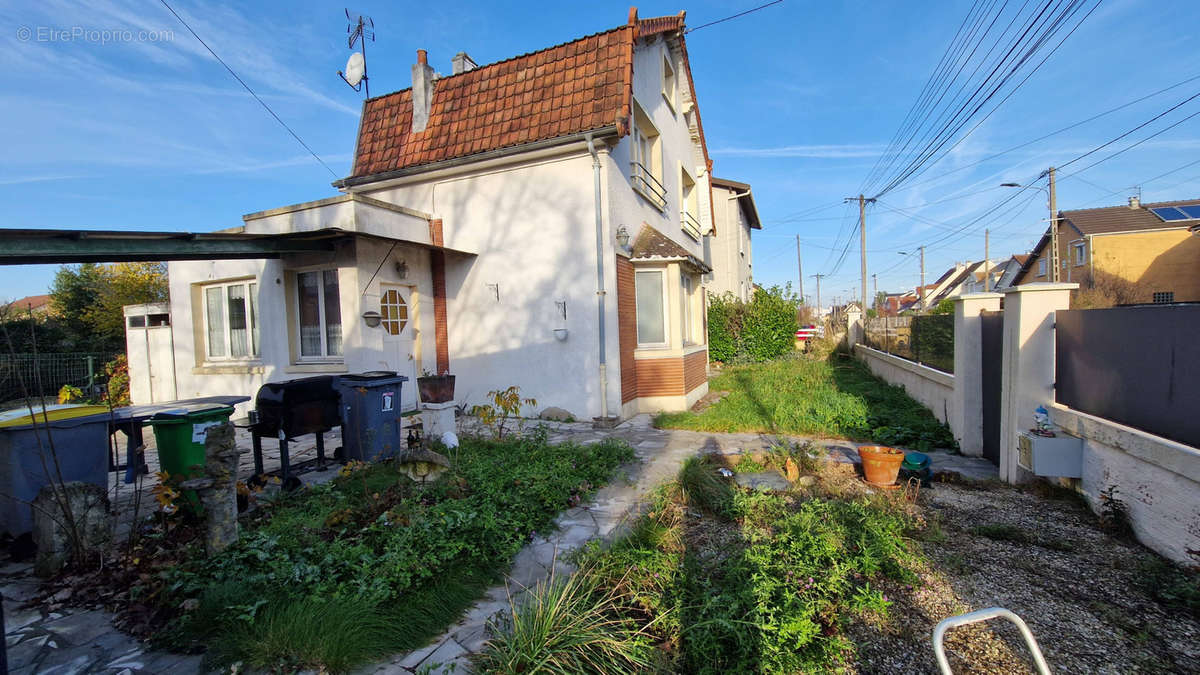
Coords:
pixel 399 330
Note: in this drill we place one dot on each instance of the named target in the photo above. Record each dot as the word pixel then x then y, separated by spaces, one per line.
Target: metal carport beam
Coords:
pixel 34 247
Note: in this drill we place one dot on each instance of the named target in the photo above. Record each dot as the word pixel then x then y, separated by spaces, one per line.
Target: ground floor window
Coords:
pixel 231 320
pixel 1163 297
pixel 319 313
pixel 651 314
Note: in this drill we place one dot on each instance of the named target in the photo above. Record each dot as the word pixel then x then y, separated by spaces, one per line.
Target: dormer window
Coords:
pixel 668 81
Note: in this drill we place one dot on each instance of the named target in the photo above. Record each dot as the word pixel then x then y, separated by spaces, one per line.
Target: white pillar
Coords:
pixel 437 419
pixel 1028 377
pixel 854 327
pixel 966 415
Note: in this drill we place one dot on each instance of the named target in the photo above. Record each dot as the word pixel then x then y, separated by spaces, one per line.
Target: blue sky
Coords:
pixel 798 100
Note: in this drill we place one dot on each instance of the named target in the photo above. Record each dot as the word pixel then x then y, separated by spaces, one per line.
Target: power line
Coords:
pixel 1140 126
pixel 247 87
pixel 732 17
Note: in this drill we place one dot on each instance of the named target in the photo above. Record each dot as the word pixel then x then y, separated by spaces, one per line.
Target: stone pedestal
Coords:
pixel 854 327
pixel 437 419
pixel 58 536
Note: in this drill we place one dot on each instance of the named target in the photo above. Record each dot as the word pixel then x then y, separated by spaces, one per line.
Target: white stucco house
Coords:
pixel 731 254
pixel 539 221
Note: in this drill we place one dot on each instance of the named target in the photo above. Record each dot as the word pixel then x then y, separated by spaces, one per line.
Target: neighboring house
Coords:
pixel 39 305
pixel 963 278
pixel 485 231
pixel 1147 246
pixel 1004 274
pixel 730 253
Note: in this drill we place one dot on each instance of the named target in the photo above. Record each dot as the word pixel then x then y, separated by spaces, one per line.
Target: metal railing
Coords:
pixel 689 223
pixel 650 187
pixel 927 339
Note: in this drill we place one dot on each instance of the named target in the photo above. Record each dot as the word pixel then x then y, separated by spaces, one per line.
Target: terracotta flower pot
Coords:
pixel 880 464
pixel 436 388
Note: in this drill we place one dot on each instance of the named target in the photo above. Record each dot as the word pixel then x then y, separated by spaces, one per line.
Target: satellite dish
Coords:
pixel 356 67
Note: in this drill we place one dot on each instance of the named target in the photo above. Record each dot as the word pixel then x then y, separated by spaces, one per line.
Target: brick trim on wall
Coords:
pixel 695 370
pixel 441 335
pixel 627 328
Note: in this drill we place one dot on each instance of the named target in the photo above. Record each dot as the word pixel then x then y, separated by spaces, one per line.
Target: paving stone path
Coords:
pixel 56 639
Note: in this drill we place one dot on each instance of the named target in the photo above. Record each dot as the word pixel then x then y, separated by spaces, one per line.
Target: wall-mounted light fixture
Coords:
pixel 623 237
pixel 371 318
pixel 401 269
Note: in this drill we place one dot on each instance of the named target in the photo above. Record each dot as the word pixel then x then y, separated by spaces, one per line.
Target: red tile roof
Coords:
pixel 567 89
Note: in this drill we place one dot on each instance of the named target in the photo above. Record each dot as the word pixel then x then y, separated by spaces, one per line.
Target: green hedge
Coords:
pixel 759 330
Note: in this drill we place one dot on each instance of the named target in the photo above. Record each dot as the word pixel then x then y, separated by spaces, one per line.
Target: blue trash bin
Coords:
pixel 371 422
pixel 80 440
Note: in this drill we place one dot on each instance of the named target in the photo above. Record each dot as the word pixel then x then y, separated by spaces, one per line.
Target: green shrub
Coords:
pixel 759 330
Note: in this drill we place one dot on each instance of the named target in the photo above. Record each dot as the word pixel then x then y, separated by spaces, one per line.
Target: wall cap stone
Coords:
pixel 1172 456
pixel 932 374
pixel 1041 286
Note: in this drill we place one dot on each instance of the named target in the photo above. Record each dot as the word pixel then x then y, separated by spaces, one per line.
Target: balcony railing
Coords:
pixel 690 224
pixel 649 186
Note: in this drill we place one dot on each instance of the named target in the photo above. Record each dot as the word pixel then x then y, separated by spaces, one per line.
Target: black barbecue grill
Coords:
pixel 287 410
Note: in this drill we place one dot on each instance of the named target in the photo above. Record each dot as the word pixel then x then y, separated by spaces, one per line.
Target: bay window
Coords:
pixel 319 314
pixel 231 320
pixel 651 308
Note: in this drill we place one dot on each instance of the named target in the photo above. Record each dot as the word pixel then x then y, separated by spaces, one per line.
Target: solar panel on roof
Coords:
pixel 1192 210
pixel 1169 213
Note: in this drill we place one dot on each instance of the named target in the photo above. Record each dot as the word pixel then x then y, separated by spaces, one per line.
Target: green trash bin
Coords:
pixel 179 434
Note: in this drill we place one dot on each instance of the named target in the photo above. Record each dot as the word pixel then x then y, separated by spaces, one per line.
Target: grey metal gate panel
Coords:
pixel 992 357
pixel 1138 366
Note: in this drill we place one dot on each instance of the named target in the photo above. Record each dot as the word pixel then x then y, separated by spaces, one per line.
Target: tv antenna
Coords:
pixel 359 29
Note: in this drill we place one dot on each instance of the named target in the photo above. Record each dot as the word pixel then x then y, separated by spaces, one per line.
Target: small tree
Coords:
pixel 89 298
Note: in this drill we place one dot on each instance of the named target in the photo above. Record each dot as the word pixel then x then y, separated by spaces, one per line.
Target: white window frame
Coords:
pixel 324 356
pixel 252 320
pixel 1041 267
pixel 686 289
pixel 1079 252
pixel 666 310
pixel 689 204
pixel 670 81
pixel 646 172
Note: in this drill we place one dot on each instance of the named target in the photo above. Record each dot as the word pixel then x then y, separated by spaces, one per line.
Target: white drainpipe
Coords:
pixel 600 292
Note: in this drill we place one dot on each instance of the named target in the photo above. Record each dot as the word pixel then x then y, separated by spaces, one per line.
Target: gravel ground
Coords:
pixel 1076 587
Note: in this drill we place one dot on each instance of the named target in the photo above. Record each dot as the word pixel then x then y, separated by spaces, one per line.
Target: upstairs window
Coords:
pixel 689 201
pixel 646 170
pixel 319 314
pixel 231 320
pixel 1042 267
pixel 1079 251
pixel 668 81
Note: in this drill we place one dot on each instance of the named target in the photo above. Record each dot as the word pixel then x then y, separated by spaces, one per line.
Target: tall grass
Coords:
pixel 701 487
pixel 827 398
pixel 566 626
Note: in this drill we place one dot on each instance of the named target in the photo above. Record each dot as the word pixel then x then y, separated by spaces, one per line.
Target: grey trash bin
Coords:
pixel 370 415
pixel 80 438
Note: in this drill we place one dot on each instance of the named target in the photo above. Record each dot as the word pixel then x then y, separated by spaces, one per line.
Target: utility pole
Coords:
pixel 921 295
pixel 818 277
pixel 1053 228
pixel 862 240
pixel 800 268
pixel 987 271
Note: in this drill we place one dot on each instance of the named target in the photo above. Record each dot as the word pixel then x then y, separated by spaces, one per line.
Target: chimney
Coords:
pixel 1135 203
pixel 422 92
pixel 463 63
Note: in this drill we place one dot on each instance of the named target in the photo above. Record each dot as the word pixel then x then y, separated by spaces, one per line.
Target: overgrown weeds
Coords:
pixel 721 579
pixel 373 562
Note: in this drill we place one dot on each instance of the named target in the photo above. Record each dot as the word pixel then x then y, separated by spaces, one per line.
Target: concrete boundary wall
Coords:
pixel 929 387
pixel 1158 479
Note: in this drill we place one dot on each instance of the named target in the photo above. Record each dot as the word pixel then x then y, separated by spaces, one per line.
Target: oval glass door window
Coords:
pixel 394 311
